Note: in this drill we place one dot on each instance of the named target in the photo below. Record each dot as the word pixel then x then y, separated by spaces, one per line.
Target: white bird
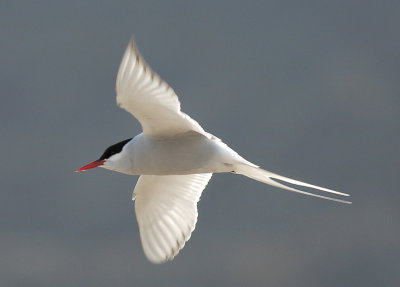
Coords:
pixel 175 159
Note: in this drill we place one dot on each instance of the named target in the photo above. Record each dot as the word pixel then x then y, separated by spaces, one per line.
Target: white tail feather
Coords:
pixel 267 177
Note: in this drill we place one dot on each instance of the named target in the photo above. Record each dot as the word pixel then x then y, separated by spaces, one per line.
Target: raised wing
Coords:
pixel 142 93
pixel 166 210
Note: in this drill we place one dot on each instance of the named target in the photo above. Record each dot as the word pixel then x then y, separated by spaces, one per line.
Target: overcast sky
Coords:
pixel 307 89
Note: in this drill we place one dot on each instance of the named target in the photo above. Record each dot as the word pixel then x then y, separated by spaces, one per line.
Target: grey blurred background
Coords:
pixel 308 89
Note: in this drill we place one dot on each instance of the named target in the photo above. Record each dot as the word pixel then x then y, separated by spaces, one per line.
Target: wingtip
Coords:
pixel 132 43
pixel 132 40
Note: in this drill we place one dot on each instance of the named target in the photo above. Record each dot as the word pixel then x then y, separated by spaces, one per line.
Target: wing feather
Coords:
pixel 166 210
pixel 142 93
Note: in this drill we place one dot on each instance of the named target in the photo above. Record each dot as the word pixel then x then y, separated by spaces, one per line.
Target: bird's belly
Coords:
pixel 195 154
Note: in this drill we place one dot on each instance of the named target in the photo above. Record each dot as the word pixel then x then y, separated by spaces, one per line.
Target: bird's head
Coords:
pixel 109 159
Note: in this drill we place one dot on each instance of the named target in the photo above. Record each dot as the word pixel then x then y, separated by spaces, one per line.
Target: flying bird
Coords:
pixel 175 158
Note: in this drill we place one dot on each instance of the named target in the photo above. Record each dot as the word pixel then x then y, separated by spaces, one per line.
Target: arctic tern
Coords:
pixel 175 158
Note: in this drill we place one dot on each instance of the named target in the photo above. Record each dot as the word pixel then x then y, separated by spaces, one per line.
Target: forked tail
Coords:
pixel 267 177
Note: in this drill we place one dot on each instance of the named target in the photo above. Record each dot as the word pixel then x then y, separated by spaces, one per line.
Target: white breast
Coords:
pixel 186 154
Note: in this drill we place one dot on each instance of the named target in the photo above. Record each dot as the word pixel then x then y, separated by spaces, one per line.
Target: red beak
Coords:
pixel 91 165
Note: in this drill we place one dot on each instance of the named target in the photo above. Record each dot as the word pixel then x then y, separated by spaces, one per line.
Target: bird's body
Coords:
pixel 175 158
pixel 186 153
